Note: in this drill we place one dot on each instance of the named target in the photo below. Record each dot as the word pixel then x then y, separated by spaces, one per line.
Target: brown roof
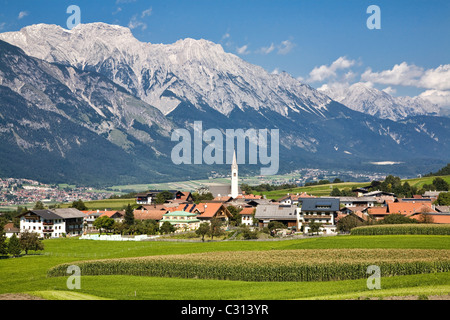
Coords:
pixel 437 217
pixel 377 211
pixel 9 227
pixel 409 208
pixel 150 212
pixel 247 211
pixel 110 213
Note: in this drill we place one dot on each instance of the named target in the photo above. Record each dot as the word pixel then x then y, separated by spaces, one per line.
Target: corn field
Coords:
pixel 272 265
pixel 424 229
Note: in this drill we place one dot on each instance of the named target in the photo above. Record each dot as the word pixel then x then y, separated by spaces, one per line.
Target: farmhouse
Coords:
pixel 182 220
pixel 358 201
pixel 150 196
pixel 319 210
pixel 150 212
pixel 247 214
pixel 53 223
pixel 9 230
pixel 266 213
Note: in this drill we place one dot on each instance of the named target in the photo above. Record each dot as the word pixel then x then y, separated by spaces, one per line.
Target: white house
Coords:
pixel 52 223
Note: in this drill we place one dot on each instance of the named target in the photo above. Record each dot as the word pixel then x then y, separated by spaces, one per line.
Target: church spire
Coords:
pixel 234 177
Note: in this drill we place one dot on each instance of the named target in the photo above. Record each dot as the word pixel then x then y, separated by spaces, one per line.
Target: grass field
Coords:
pixel 324 190
pixel 28 274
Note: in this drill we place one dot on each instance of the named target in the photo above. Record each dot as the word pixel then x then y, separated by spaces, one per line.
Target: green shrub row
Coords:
pixel 423 229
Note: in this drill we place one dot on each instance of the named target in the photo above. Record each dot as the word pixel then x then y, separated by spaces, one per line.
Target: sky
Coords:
pixel 320 42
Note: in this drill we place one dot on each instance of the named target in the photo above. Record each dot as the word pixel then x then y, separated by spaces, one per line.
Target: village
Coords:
pixel 229 207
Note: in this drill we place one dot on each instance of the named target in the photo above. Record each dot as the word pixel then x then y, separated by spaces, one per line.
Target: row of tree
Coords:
pixel 15 246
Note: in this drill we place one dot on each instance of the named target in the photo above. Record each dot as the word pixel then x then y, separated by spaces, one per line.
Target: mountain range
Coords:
pixel 94 105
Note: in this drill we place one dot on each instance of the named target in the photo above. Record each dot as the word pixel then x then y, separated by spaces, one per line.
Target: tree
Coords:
pixel 79 205
pixel 203 230
pixel 103 223
pixel 30 241
pixel 440 184
pixel 347 223
pixel 167 228
pixel 314 227
pixel 14 247
pixel 397 218
pixel 215 228
pixel 443 199
pixel 129 216
pixel 39 206
pixel 335 192
pixel 3 245
pixel 197 198
pixel 248 234
pixel 235 216
pixel 163 197
pixel 276 225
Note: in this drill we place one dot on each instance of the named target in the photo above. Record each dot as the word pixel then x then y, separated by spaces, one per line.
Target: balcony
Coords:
pixel 47 230
pixel 47 223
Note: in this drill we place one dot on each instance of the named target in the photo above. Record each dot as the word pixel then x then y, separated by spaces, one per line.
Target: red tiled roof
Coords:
pixel 247 211
pixel 377 211
pixel 109 213
pixel 437 218
pixel 409 208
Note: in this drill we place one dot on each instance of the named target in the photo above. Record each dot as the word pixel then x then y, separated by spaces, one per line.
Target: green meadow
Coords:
pixel 28 274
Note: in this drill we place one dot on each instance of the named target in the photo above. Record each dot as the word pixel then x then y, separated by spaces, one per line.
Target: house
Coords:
pixel 90 217
pixel 206 211
pixel 435 217
pixel 152 212
pixel 53 223
pixel 286 214
pixel 432 194
pixel 378 213
pixel 358 201
pixel 150 196
pixel 182 220
pixel 296 199
pixel 247 214
pixel 183 196
pixel 118 216
pixel 9 230
pixel 414 199
pixel 409 208
pixel 319 210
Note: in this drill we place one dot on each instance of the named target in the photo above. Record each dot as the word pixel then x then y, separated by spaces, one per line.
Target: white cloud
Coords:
pixel 412 75
pixel 285 47
pixel 2 26
pixel 400 74
pixel 22 14
pixel 243 49
pixel 135 23
pixel 389 90
pixel 146 13
pixel 439 97
pixel 267 50
pixel 438 78
pixel 325 72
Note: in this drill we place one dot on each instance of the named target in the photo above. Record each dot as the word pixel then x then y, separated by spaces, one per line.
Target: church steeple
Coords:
pixel 234 177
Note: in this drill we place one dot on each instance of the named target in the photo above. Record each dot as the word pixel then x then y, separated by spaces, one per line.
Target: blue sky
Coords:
pixel 320 42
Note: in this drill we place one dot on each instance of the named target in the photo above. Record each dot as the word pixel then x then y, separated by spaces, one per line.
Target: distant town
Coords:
pixel 20 192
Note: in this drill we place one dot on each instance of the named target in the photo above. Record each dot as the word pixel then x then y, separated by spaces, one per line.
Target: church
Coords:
pixel 227 190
